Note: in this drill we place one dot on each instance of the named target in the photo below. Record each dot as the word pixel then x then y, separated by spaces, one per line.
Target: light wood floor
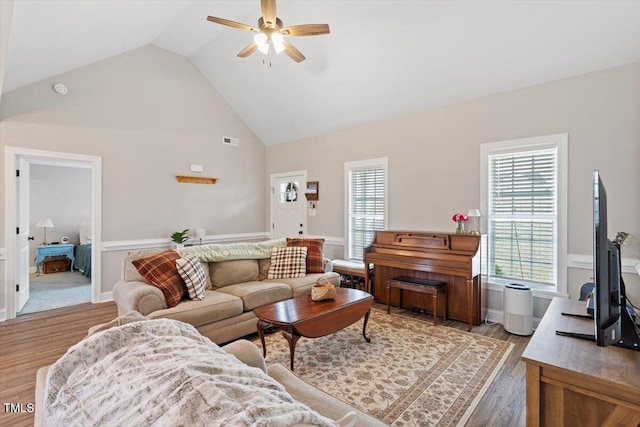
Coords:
pixel 39 339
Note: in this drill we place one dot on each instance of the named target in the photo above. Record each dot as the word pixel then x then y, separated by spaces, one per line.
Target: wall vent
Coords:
pixel 230 141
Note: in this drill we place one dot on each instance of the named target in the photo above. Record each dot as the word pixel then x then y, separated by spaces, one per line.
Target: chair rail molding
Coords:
pixel 585 262
pixel 166 243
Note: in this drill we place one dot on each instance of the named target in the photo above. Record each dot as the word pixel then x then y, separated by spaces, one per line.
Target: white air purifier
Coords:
pixel 518 309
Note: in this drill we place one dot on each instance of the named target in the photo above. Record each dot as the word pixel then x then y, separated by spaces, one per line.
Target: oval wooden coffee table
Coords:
pixel 303 317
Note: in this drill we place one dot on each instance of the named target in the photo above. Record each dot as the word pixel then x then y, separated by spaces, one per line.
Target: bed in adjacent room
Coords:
pixel 83 258
pixel 83 250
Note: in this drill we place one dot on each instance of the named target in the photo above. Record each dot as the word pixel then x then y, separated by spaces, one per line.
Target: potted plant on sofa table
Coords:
pixel 179 237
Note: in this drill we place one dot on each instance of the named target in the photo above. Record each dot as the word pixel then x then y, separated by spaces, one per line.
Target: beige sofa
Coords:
pixel 234 288
pixel 249 354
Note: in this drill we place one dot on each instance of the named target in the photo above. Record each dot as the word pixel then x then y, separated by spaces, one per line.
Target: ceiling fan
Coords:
pixel 270 30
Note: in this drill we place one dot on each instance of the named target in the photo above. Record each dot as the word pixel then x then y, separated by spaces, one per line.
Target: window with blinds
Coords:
pixel 523 215
pixel 366 204
pixel 524 201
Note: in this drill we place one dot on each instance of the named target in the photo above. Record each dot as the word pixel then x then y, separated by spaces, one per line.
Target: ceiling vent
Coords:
pixel 230 141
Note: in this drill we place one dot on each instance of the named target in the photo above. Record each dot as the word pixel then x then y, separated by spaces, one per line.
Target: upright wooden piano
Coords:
pixel 447 257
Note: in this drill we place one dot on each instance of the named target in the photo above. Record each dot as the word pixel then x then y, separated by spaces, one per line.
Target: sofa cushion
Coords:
pixel 263 268
pixel 214 307
pixel 288 262
pixel 160 271
pixel 225 273
pixel 193 275
pixel 315 252
pixel 302 285
pixel 257 293
pixel 130 272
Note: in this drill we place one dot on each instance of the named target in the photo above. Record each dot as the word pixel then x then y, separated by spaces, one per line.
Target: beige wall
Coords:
pixel 149 114
pixel 434 158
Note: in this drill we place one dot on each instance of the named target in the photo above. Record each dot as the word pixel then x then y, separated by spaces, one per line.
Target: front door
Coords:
pixel 22 242
pixel 288 205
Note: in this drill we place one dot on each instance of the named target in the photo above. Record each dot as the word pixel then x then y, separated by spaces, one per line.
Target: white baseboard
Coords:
pixel 3 315
pixel 494 316
pixel 497 316
pixel 106 296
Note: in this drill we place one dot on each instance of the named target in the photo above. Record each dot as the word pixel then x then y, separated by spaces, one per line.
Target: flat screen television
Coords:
pixel 613 318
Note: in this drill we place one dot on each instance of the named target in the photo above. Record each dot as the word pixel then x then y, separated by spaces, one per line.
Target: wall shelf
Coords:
pixel 195 179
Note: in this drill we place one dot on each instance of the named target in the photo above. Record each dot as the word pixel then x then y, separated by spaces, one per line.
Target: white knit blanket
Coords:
pixel 163 372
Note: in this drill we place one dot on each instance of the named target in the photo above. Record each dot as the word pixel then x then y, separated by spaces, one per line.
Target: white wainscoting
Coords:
pixel 3 254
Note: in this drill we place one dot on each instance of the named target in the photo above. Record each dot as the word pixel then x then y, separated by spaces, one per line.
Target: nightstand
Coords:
pixel 52 250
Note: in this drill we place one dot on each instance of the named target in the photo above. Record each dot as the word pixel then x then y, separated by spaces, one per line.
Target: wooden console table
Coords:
pixel 573 382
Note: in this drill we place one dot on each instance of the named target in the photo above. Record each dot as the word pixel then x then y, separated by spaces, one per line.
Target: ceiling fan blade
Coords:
pixel 269 12
pixel 251 47
pixel 306 30
pixel 292 52
pixel 233 24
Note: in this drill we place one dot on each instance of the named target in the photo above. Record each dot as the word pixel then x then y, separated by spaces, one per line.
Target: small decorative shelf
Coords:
pixel 195 179
pixel 313 190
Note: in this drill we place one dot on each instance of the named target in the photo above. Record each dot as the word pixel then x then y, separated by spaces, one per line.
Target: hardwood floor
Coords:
pixel 39 339
pixel 35 340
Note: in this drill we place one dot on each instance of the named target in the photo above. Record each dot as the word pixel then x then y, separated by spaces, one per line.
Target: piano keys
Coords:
pixel 447 257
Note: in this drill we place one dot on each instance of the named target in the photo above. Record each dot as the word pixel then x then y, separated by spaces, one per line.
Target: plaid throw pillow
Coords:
pixel 160 271
pixel 315 254
pixel 287 263
pixel 193 275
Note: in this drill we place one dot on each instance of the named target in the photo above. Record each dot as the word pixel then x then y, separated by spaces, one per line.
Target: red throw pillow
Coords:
pixel 160 271
pixel 315 253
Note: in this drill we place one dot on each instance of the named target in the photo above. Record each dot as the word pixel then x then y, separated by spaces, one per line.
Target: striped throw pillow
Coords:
pixel 191 271
pixel 160 271
pixel 288 263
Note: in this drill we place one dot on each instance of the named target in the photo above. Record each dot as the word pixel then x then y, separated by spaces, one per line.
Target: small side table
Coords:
pixel 52 250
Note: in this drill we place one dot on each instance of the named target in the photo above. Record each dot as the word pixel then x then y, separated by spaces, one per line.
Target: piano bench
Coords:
pixel 349 269
pixel 434 288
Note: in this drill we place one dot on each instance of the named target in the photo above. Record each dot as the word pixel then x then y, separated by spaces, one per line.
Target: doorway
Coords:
pixel 17 218
pixel 288 204
pixel 59 212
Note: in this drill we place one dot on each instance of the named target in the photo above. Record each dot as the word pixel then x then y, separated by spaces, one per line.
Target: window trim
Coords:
pixel 560 142
pixel 382 162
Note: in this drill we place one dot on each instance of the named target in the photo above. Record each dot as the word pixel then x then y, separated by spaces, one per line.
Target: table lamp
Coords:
pixel 45 222
pixel 474 213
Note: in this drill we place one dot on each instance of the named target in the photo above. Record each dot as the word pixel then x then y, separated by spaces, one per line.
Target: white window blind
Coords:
pixel 523 215
pixel 366 210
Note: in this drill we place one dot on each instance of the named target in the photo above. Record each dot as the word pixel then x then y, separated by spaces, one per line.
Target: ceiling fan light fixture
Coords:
pixel 261 41
pixel 278 42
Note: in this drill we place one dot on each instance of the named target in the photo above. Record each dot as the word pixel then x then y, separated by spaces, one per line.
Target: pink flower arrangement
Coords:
pixel 460 217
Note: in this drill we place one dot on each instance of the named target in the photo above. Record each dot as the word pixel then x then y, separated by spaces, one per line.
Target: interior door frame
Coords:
pixel 11 156
pixel 272 193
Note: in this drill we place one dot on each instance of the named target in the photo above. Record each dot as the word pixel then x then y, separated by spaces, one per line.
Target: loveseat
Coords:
pixel 237 282
pixel 110 347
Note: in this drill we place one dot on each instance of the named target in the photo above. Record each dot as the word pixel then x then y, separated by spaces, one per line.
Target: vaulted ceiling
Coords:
pixel 382 58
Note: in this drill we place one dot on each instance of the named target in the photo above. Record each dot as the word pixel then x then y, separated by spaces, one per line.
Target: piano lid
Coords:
pixel 425 241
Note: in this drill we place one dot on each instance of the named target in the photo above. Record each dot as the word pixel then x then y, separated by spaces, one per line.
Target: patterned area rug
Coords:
pixel 411 374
